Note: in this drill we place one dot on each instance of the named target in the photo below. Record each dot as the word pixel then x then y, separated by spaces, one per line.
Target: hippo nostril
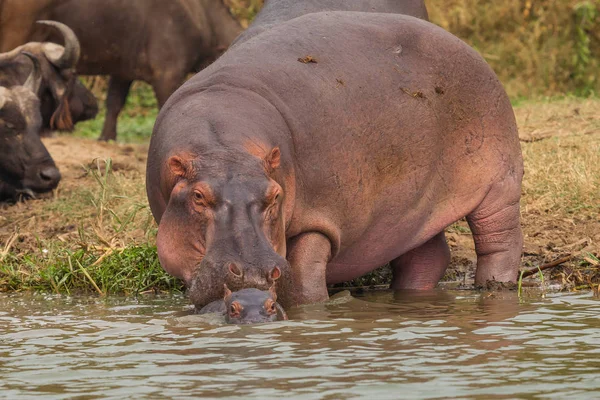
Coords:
pixel 50 175
pixel 235 270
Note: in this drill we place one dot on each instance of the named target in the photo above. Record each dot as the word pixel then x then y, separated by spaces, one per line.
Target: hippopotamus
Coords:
pixel 327 146
pixel 275 12
pixel 26 167
pixel 247 306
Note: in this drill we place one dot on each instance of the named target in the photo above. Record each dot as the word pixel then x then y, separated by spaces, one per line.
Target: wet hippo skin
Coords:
pixel 270 166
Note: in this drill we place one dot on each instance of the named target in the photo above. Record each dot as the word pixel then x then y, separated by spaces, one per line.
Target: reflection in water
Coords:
pixel 382 345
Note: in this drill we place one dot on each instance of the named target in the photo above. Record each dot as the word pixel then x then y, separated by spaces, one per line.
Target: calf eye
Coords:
pixel 270 306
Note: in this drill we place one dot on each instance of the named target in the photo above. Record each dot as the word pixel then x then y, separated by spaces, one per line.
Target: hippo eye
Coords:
pixel 198 197
pixel 270 306
pixel 234 310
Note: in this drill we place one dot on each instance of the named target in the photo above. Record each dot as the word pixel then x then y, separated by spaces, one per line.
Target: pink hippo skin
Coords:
pixel 265 166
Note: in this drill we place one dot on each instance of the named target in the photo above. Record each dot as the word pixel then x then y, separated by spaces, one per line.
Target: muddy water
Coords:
pixel 378 346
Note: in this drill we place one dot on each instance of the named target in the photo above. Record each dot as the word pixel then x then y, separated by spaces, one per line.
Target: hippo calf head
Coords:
pixel 223 222
pixel 25 164
pixel 247 306
pixel 252 306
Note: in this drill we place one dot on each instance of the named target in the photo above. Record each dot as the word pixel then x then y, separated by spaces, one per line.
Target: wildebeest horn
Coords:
pixel 34 80
pixel 9 56
pixel 70 55
pixel 2 97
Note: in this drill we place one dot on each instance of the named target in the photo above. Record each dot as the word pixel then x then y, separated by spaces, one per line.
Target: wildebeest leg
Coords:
pixel 497 234
pixel 308 255
pixel 115 100
pixel 422 267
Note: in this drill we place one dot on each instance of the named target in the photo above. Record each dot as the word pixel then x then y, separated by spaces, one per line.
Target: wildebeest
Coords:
pixel 155 41
pixel 25 164
pixel 63 99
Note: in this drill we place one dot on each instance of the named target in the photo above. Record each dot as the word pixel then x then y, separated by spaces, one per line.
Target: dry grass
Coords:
pixel 535 47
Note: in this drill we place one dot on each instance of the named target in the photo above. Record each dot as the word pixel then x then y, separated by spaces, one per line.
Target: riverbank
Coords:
pixel 96 233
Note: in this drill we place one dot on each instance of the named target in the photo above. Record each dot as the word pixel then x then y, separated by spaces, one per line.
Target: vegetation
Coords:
pixel 96 234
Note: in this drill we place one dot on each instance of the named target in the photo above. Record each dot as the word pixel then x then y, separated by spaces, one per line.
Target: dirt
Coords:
pixel 47 218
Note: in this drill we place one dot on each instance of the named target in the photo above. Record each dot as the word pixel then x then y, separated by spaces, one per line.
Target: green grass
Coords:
pixel 135 122
pixel 97 238
pixel 132 270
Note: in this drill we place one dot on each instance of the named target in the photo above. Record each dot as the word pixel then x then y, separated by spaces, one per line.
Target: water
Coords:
pixel 382 345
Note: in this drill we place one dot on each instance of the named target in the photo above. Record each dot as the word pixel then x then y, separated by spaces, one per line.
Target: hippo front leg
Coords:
pixel 308 254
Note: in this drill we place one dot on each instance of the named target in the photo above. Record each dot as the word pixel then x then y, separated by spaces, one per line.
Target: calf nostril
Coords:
pixel 235 270
pixel 50 174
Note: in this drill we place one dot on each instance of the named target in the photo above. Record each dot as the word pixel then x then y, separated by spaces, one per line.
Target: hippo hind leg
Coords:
pixel 422 267
pixel 496 229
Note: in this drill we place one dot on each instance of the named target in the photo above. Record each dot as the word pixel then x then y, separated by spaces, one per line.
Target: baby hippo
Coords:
pixel 247 306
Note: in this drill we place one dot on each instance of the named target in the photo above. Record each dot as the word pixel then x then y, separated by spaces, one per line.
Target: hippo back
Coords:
pixel 277 11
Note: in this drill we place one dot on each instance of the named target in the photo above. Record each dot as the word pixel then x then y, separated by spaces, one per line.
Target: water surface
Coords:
pixel 381 345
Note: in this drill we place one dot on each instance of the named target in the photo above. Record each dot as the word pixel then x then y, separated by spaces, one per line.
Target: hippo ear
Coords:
pixel 181 165
pixel 273 160
pixel 273 292
pixel 227 292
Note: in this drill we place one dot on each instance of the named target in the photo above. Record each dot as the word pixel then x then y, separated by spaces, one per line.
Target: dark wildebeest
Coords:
pixel 155 41
pixel 64 100
pixel 25 165
pixel 315 170
pixel 277 11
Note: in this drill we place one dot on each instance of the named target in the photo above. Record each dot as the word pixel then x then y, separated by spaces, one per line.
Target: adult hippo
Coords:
pixel 327 146
pixel 25 165
pixel 275 12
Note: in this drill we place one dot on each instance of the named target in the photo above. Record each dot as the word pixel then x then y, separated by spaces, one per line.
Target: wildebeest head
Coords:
pixel 64 100
pixel 25 164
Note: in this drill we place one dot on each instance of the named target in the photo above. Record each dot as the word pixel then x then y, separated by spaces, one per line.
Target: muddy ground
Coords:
pixel 560 204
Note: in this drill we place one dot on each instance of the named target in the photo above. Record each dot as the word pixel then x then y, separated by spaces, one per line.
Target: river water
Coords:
pixel 381 345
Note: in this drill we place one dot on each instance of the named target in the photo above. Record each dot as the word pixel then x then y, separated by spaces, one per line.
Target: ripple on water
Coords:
pixel 432 345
